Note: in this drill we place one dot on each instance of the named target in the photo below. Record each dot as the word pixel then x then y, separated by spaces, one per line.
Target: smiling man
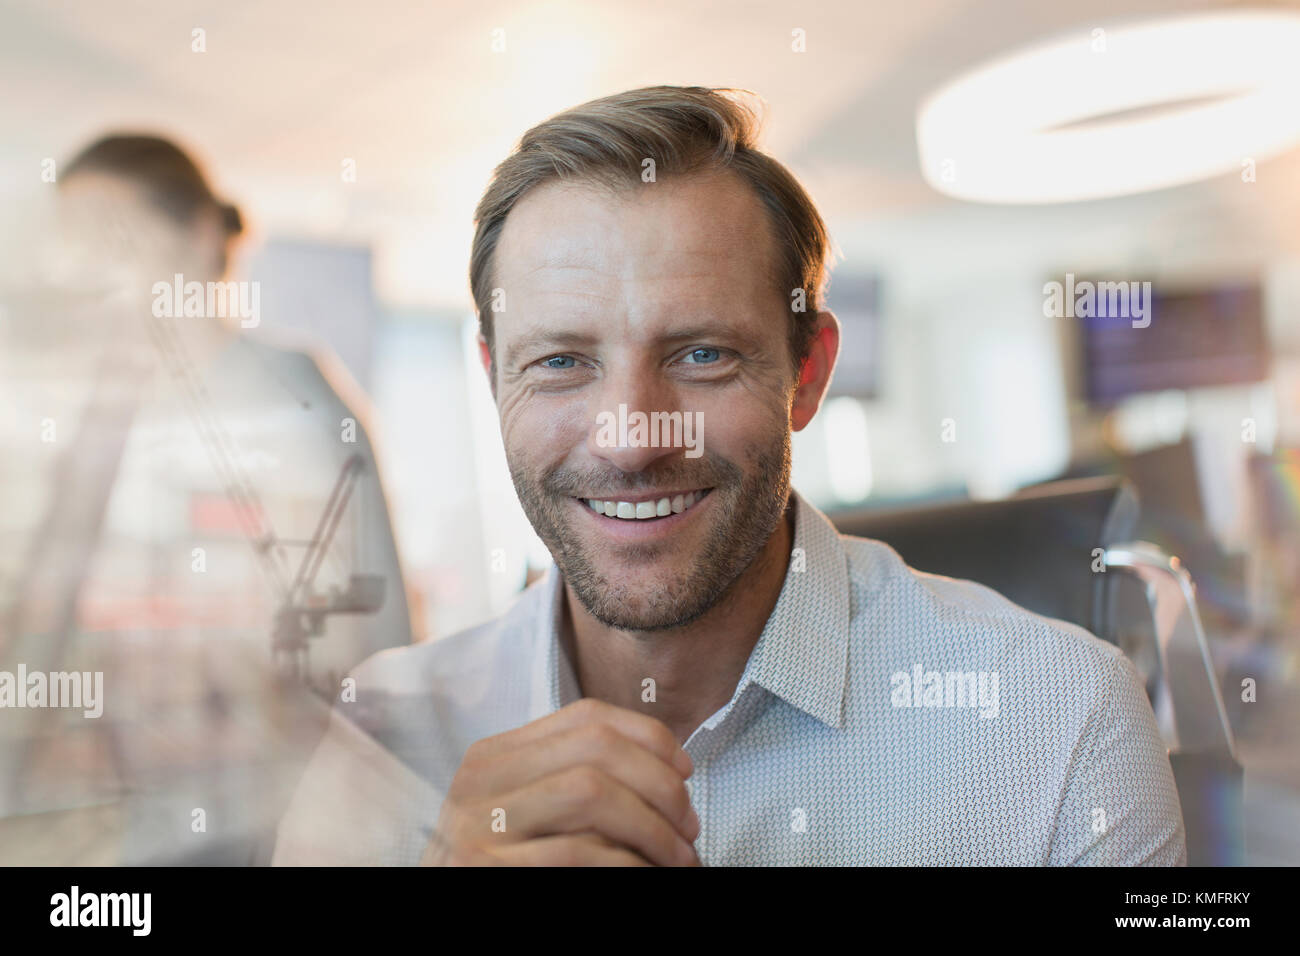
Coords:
pixel 710 673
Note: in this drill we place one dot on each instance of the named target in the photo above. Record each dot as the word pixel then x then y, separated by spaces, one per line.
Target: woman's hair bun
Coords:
pixel 231 218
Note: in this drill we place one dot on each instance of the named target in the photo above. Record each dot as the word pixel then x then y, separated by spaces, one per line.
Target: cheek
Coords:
pixel 542 427
pixel 737 429
pixel 768 391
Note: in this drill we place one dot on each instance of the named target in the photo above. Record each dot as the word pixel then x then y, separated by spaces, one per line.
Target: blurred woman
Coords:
pixel 205 517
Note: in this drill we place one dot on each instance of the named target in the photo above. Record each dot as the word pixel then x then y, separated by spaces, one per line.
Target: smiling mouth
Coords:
pixel 647 509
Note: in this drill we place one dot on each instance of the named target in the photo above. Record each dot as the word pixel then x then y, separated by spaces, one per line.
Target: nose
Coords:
pixel 624 431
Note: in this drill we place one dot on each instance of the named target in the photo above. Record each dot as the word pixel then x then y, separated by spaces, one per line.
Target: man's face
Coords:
pixel 660 299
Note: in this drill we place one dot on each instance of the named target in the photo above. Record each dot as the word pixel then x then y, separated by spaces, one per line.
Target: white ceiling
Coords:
pixel 415 95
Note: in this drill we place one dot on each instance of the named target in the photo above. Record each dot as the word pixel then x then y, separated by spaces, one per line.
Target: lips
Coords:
pixel 644 509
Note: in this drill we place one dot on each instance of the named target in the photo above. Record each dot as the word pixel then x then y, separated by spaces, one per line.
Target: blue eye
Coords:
pixel 705 356
pixel 551 362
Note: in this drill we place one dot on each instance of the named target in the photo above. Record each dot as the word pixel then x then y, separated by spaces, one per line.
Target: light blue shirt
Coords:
pixel 885 717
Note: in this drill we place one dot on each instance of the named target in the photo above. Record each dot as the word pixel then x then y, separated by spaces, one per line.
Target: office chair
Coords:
pixel 1063 550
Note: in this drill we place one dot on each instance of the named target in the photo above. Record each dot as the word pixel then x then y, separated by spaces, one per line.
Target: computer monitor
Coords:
pixel 1196 337
pixel 855 300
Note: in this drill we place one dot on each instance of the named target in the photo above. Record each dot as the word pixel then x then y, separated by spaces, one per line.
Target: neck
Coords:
pixel 696 667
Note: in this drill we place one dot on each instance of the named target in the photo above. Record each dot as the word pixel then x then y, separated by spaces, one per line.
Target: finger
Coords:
pixel 441 852
pixel 569 850
pixel 587 798
pixel 591 744
pixel 650 733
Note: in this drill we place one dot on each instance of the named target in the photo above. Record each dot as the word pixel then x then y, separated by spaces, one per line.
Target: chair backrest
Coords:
pixel 1037 548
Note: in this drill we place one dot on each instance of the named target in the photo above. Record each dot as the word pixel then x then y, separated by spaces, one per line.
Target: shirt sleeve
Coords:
pixel 1120 806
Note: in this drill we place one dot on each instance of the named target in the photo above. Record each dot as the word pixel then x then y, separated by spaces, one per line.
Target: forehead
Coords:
pixel 652 245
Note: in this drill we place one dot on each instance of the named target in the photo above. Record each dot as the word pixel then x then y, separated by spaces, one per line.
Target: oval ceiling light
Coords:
pixel 1119 110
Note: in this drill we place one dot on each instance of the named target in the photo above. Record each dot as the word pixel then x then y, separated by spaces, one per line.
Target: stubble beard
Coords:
pixel 746 509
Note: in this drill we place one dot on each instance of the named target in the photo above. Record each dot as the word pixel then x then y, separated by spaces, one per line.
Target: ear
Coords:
pixel 815 376
pixel 485 356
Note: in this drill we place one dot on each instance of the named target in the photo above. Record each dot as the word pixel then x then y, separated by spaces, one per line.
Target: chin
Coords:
pixel 648 608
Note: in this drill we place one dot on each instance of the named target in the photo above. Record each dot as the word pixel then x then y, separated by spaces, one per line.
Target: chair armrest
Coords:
pixel 1188 703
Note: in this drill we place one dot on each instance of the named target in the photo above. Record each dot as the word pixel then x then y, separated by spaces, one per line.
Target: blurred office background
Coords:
pixel 357 139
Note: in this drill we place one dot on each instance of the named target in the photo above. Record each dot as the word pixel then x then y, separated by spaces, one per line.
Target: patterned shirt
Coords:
pixel 885 717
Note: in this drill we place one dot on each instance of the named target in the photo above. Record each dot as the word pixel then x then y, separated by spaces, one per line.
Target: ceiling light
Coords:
pixel 1117 110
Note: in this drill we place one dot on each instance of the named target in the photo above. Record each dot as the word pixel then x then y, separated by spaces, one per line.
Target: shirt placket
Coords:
pixel 703 747
pixel 697 788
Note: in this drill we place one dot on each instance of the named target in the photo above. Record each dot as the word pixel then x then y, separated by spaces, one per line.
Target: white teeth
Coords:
pixel 641 510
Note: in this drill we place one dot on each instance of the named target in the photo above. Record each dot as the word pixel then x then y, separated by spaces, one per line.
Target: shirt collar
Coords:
pixel 801 656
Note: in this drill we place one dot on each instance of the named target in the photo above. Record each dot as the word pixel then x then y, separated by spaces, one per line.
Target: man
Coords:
pixel 711 673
